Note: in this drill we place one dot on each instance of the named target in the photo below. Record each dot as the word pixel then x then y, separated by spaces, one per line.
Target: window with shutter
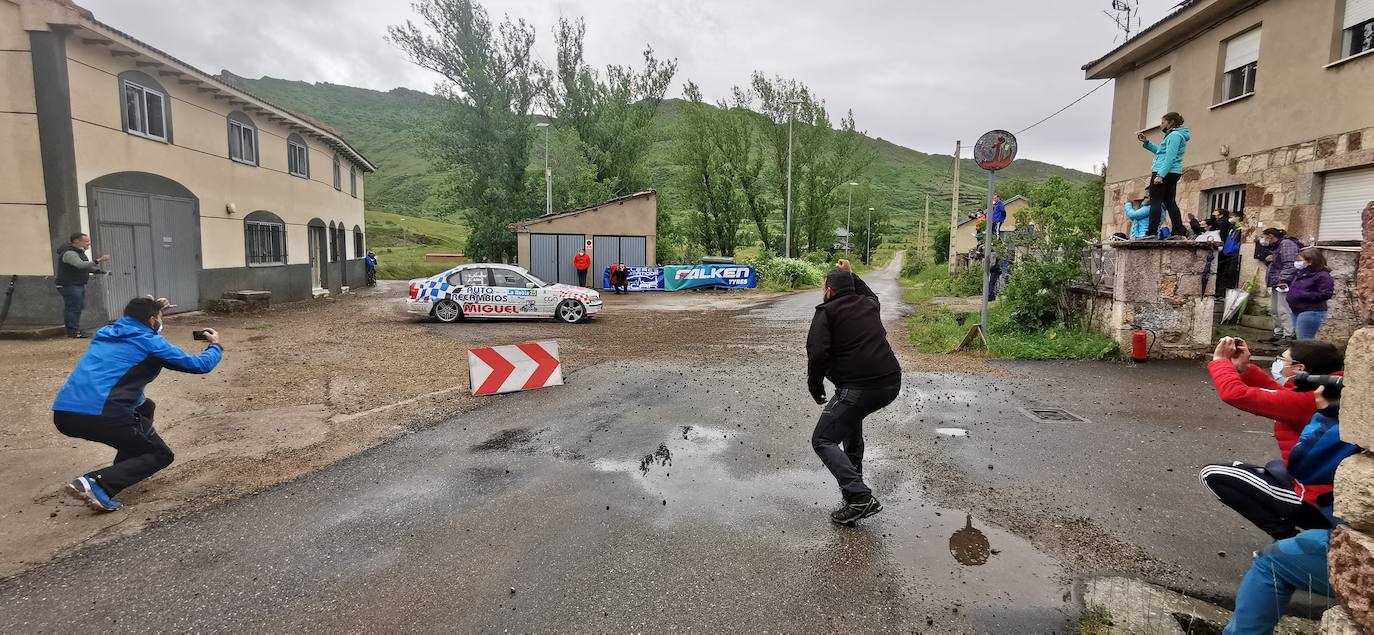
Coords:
pixel 1241 66
pixel 1156 99
pixel 1358 27
pixel 1344 195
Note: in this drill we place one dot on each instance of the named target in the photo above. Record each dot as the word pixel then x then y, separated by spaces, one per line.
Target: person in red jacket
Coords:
pixel 582 262
pixel 1266 495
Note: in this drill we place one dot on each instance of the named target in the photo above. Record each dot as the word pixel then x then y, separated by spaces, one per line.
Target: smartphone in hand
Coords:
pixel 199 335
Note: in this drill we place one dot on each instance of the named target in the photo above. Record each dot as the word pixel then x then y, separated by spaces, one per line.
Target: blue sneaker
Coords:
pixel 88 491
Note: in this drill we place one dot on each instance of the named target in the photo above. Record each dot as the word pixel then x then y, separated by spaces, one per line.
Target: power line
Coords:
pixel 1071 104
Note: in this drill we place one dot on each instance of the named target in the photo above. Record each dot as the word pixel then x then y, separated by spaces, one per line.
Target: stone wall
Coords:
pixel 1343 308
pixel 1352 546
pixel 1158 285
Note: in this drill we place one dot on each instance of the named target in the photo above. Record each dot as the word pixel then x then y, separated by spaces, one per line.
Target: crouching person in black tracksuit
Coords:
pixel 103 400
pixel 848 345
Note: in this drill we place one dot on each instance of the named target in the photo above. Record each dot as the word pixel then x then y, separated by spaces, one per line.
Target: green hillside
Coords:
pixel 387 128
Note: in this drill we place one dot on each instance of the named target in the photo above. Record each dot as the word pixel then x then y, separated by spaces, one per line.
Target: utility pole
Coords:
pixel 954 204
pixel 868 236
pixel 925 231
pixel 548 172
pixel 847 216
pixel 791 114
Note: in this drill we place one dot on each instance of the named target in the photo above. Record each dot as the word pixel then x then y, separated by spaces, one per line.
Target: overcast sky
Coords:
pixel 920 73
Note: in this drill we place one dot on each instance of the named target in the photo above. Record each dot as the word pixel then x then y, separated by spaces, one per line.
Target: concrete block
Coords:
pixel 1357 401
pixel 1336 621
pixel 1355 491
pixel 1351 563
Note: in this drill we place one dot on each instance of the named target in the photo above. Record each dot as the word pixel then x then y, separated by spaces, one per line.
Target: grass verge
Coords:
pixel 401 243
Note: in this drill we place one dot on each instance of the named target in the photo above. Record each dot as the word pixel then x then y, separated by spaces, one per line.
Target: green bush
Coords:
pixel 966 282
pixel 786 274
pixel 1033 293
pixel 912 264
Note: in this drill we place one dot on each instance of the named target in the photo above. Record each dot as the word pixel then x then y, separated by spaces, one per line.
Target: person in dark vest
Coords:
pixel 848 345
pixel 74 269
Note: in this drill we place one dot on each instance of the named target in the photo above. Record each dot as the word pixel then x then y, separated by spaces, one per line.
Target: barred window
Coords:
pixel 358 251
pixel 1231 199
pixel 264 239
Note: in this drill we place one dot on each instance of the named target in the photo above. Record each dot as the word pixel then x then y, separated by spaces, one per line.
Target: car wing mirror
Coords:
pixel 530 285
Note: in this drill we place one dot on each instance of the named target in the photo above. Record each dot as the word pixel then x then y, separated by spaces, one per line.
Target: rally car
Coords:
pixel 490 290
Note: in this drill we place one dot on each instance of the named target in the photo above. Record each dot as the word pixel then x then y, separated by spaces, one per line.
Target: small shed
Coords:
pixel 618 230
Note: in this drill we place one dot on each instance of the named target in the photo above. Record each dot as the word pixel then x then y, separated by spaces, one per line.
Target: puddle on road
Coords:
pixel 662 457
pixel 952 432
pixel 969 546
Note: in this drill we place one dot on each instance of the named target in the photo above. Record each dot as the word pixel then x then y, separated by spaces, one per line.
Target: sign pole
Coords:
pixel 987 250
pixel 994 151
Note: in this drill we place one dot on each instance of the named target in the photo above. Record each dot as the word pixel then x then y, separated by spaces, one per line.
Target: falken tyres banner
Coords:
pixel 678 278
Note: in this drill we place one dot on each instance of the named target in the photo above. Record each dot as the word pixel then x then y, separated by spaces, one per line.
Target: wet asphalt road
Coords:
pixel 685 496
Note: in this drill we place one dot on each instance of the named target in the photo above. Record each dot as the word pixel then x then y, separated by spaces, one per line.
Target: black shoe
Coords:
pixel 79 335
pixel 851 512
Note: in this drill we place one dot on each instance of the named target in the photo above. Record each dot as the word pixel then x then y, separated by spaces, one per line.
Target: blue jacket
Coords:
pixel 1140 219
pixel 999 212
pixel 123 358
pixel 1169 152
pixel 1319 450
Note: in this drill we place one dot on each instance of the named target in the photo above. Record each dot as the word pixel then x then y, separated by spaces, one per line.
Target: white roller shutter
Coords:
pixel 1344 196
pixel 1156 98
pixel 1357 11
pixel 1242 50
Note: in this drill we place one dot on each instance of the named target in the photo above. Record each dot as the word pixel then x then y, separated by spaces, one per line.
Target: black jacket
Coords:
pixel 848 344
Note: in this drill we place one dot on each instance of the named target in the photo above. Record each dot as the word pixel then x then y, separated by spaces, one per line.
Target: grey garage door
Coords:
pixel 608 250
pixel 551 256
pixel 154 248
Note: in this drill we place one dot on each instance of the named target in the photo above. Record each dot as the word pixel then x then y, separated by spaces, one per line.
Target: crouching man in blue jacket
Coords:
pixel 103 399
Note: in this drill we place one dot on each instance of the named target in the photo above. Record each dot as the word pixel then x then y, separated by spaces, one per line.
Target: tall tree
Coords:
pixel 611 112
pixel 484 138
pixel 822 157
pixel 709 147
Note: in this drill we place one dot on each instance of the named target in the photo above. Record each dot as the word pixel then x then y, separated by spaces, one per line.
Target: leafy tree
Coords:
pixel 483 138
pixel 939 245
pixel 1068 214
pixel 611 112
pixel 722 180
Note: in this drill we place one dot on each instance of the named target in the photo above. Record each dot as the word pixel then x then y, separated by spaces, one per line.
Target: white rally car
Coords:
pixel 489 290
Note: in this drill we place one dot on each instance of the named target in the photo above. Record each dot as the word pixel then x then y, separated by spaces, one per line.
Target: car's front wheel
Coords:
pixel 447 310
pixel 571 311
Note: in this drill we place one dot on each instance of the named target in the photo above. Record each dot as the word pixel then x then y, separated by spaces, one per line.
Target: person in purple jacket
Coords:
pixel 1308 292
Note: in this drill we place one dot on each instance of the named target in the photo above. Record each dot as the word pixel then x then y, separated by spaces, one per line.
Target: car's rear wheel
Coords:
pixel 571 311
pixel 447 310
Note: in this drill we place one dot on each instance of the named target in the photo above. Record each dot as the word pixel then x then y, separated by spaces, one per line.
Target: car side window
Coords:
pixel 470 277
pixel 508 278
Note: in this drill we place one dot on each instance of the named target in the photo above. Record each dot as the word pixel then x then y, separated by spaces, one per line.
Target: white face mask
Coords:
pixel 1276 370
pixel 159 327
pixel 1265 242
pixel 1298 264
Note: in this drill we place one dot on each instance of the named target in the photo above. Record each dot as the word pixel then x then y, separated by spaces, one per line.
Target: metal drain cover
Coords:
pixel 1052 415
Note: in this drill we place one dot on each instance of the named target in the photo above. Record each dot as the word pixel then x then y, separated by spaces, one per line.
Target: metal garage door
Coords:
pixel 153 246
pixel 1344 195
pixel 607 250
pixel 551 256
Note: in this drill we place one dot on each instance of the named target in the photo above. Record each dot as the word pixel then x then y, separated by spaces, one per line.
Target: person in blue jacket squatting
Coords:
pixel 1300 562
pixel 103 399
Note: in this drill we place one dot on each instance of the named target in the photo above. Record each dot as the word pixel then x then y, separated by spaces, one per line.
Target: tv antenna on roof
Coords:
pixel 1126 15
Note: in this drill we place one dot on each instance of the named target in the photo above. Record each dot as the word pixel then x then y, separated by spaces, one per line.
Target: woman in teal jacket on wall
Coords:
pixel 1165 173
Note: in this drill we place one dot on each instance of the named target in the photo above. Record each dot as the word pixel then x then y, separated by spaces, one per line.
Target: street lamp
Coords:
pixel 868 235
pixel 787 242
pixel 548 173
pixel 848 215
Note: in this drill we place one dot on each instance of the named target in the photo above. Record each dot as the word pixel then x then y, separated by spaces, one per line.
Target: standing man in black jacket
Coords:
pixel 74 269
pixel 848 345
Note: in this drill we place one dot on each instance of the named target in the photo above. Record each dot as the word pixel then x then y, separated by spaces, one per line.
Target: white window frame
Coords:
pixel 1348 35
pixel 1234 194
pixel 1166 78
pixel 273 229
pixel 299 154
pixel 1242 63
pixel 139 127
pixel 243 132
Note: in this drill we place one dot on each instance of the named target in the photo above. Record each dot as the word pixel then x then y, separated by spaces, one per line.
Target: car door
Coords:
pixel 466 286
pixel 518 290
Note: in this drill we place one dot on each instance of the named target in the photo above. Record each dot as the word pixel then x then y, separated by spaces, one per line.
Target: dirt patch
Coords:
pixel 300 387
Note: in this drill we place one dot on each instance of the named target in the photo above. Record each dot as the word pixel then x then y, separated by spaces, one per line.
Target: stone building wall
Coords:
pixel 1352 545
pixel 1158 285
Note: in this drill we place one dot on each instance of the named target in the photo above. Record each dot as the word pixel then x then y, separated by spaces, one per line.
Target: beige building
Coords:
pixel 1277 98
pixel 966 234
pixel 193 186
pixel 621 230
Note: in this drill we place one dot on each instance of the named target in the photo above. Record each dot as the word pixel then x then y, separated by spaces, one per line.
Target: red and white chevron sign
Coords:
pixel 499 369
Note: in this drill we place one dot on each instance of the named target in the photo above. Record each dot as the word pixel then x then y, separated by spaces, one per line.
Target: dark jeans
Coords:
pixel 622 287
pixel 842 424
pixel 1164 196
pixel 73 301
pixel 581 277
pixel 139 451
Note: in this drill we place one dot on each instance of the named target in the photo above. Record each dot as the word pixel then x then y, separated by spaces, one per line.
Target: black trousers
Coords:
pixel 1262 499
pixel 139 451
pixel 839 435
pixel 1164 196
pixel 581 277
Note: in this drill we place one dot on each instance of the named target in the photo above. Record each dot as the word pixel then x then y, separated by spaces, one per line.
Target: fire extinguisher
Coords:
pixel 1139 351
